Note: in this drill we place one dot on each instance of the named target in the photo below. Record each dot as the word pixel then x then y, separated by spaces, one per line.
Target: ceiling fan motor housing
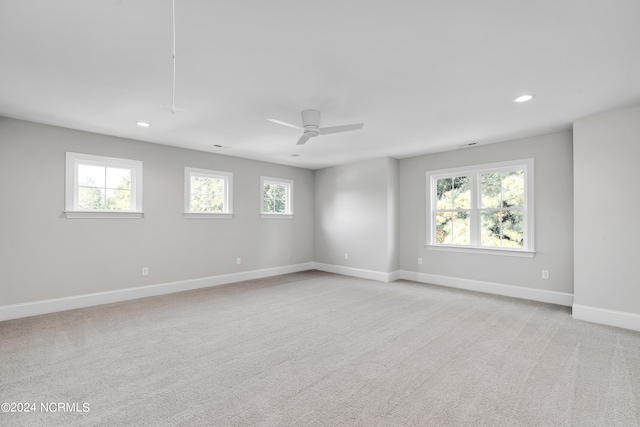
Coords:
pixel 311 131
pixel 311 121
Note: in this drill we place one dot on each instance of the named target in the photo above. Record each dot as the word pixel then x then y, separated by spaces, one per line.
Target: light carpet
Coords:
pixel 319 349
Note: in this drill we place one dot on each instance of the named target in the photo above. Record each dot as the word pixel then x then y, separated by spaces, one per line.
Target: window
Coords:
pixel 102 187
pixel 208 193
pixel 276 197
pixel 485 208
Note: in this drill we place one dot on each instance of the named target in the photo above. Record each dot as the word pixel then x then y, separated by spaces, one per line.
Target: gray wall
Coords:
pixel 356 213
pixel 553 216
pixel 606 155
pixel 373 210
pixel 45 255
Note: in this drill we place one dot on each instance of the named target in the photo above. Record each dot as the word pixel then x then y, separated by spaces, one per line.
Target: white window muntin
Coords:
pixel 227 197
pixel 288 186
pixel 75 160
pixel 475 172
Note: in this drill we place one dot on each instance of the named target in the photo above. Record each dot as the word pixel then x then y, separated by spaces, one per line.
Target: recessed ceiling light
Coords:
pixel 525 98
pixel 143 124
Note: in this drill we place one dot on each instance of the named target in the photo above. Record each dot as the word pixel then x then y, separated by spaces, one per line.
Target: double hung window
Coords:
pixel 482 207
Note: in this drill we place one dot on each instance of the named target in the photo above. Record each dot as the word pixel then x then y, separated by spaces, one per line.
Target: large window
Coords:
pixel 486 207
pixel 102 187
pixel 208 193
pixel 276 197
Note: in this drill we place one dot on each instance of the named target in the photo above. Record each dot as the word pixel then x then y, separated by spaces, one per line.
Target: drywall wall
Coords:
pixel 553 216
pixel 356 214
pixel 44 255
pixel 606 153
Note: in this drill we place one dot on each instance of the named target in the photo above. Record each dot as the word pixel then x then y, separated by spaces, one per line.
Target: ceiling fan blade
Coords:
pixel 343 128
pixel 303 139
pixel 280 122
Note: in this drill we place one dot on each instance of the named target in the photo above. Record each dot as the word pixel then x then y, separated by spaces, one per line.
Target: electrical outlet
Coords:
pixel 145 271
pixel 238 261
pixel 420 261
pixel 346 256
pixel 545 274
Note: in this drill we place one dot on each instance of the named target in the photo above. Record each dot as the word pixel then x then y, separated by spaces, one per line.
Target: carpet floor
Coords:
pixel 319 349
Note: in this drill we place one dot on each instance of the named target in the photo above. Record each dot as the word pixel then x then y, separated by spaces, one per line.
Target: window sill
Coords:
pixel 103 214
pixel 484 251
pixel 276 216
pixel 207 215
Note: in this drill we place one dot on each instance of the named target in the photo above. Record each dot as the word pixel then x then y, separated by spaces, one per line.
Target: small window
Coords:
pixel 276 197
pixel 487 207
pixel 102 187
pixel 208 193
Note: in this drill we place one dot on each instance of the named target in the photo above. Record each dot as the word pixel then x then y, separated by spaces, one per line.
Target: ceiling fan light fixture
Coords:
pixel 143 124
pixel 524 98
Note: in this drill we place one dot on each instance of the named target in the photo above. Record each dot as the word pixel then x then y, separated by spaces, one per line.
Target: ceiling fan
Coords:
pixel 310 123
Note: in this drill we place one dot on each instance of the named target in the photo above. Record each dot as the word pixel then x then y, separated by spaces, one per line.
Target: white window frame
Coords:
pixel 227 203
pixel 475 172
pixel 288 183
pixel 73 160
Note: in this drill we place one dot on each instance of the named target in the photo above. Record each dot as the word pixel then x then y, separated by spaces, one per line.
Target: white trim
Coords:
pixel 103 214
pixel 482 250
pixel 357 272
pixel 207 215
pixel 227 204
pixel 276 216
pixel 620 319
pixel 288 183
pixel 553 297
pixel 35 308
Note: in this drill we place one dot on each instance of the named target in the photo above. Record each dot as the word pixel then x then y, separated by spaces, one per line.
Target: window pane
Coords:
pixel 443 188
pixel 513 189
pixel 215 203
pixel 503 229
pixel 462 192
pixel 119 200
pixel 512 229
pixel 280 205
pixel 279 191
pixel 267 205
pixel 215 186
pixel 119 178
pixel 444 228
pixel 461 233
pixel 91 198
pixel 91 176
pixel 491 193
pixel 198 203
pixel 491 229
pixel 198 184
pixel 207 194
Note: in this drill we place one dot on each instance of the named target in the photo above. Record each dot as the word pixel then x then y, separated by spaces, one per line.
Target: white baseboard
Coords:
pixel 620 319
pixel 356 272
pixel 16 311
pixel 35 308
pixel 541 295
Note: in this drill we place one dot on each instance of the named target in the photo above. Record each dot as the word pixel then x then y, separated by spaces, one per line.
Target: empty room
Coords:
pixel 336 213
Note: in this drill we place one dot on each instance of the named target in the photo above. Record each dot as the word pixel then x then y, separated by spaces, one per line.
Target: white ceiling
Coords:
pixel 424 76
